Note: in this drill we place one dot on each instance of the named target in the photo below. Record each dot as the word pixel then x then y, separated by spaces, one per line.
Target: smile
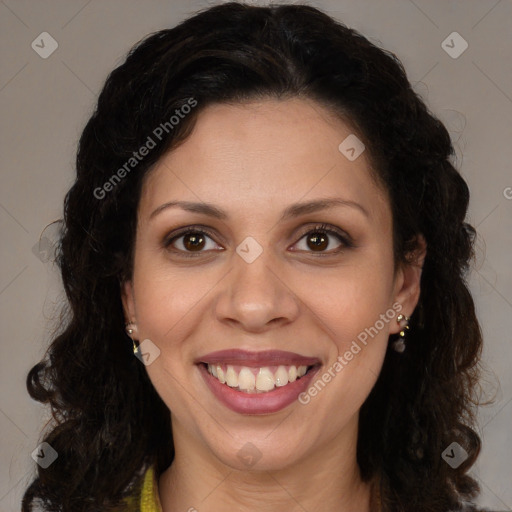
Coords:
pixel 262 382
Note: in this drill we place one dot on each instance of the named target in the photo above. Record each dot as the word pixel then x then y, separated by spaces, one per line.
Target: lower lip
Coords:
pixel 257 403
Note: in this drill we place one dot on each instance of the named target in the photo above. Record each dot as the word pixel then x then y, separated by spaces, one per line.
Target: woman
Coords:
pixel 267 213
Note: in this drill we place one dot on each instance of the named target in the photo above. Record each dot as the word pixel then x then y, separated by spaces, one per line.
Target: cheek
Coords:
pixel 166 297
pixel 355 313
pixel 166 307
pixel 354 310
pixel 350 298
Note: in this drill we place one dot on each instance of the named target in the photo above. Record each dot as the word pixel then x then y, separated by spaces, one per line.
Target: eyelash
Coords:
pixel 343 237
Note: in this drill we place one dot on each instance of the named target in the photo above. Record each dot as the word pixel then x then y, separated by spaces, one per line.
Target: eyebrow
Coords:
pixel 292 211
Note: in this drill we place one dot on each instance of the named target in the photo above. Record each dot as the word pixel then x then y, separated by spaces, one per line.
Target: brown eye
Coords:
pixel 191 242
pixel 323 237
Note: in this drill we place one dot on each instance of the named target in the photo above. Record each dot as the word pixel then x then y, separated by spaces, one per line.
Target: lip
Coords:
pixel 257 359
pixel 257 403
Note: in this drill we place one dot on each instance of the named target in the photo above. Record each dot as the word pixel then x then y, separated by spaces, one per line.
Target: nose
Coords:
pixel 256 296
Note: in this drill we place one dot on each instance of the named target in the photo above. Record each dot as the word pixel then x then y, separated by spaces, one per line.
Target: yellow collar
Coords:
pixel 149 499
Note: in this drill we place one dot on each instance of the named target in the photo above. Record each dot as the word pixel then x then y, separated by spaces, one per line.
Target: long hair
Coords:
pixel 109 422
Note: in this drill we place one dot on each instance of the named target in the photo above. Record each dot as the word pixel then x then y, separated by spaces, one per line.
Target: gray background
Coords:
pixel 45 103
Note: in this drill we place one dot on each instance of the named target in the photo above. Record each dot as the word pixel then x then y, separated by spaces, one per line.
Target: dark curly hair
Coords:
pixel 109 422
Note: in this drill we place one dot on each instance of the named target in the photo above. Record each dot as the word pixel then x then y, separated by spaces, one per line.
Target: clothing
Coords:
pixel 148 501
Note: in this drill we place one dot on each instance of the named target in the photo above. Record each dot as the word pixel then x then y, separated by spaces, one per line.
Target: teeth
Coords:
pixel 246 380
pixel 254 380
pixel 265 380
pixel 231 377
pixel 282 376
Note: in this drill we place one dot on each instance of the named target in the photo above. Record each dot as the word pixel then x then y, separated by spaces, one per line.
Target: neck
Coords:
pixel 327 480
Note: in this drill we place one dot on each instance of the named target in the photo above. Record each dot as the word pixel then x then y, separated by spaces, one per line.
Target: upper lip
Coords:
pixel 257 359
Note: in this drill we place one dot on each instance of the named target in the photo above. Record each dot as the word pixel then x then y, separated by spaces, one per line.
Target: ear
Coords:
pixel 407 282
pixel 128 302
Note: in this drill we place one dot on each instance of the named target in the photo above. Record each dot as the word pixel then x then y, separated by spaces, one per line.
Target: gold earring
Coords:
pixel 403 321
pixel 130 330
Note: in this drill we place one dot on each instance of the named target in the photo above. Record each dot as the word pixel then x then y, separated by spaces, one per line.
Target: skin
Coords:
pixel 253 160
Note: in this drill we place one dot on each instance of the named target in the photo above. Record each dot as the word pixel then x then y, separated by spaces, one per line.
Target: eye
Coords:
pixel 320 238
pixel 190 240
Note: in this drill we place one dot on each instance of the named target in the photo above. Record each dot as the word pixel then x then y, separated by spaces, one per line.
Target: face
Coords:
pixel 271 277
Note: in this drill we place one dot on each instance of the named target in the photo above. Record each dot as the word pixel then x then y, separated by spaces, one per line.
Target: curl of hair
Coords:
pixel 110 423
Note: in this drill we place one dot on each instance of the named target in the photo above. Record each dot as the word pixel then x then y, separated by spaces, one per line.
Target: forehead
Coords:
pixel 269 151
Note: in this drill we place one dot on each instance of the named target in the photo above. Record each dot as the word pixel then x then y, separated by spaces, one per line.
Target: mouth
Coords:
pixel 257 382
